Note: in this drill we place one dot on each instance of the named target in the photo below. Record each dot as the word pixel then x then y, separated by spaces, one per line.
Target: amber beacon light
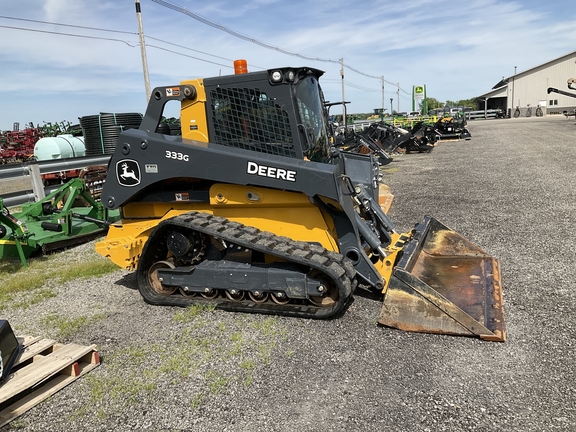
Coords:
pixel 240 67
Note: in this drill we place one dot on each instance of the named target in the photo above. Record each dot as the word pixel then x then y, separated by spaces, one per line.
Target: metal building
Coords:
pixel 530 87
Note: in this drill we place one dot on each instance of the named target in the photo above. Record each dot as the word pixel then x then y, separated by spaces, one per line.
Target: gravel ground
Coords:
pixel 509 189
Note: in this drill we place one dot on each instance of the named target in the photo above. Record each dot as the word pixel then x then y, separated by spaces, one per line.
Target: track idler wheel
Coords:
pixel 328 292
pixel 156 282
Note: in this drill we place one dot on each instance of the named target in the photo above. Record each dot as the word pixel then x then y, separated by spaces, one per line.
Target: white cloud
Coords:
pixel 458 50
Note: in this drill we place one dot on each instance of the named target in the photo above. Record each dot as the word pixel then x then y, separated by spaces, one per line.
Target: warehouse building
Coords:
pixel 529 88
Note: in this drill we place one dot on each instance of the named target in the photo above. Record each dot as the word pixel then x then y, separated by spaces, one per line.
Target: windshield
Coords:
pixel 311 110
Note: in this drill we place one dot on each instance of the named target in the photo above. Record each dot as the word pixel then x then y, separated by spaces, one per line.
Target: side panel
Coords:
pixel 283 213
pixel 143 160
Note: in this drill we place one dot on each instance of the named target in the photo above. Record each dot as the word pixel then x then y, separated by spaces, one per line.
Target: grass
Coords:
pixel 190 313
pixel 27 284
pixel 67 327
pixel 197 349
pixel 205 352
pixel 389 170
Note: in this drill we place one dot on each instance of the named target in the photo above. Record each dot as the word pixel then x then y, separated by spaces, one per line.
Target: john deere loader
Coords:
pixel 252 209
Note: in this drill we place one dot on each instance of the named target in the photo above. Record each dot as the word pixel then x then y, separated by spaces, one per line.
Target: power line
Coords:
pixel 113 31
pixel 119 40
pixel 66 25
pixel 201 19
pixel 235 33
pixel 68 34
pixel 258 42
pixel 185 55
pixel 349 84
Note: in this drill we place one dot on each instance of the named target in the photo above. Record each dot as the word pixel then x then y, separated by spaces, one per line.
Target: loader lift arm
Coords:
pixel 562 92
pixel 571 83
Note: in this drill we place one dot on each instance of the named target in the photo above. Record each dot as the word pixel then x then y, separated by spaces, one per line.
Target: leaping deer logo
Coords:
pixel 128 172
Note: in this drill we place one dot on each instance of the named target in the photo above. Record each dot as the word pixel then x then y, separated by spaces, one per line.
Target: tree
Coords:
pixel 433 103
pixel 462 103
pixel 468 103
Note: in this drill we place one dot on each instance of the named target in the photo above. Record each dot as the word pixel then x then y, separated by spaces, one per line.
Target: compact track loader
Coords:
pixel 253 209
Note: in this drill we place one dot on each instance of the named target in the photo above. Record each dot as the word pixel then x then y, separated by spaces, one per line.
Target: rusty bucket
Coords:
pixel 444 283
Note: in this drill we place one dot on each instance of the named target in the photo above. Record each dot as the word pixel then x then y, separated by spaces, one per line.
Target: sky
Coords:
pixel 457 49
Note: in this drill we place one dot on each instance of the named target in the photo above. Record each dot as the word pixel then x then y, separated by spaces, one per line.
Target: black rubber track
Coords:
pixel 333 265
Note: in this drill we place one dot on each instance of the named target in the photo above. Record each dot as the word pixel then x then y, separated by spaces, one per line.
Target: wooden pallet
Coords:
pixel 43 368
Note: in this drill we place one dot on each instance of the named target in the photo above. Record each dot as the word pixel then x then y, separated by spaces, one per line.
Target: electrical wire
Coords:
pixel 114 31
pixel 68 34
pixel 66 25
pixel 189 56
pixel 203 20
pixel 260 43
pixel 130 33
pixel 235 33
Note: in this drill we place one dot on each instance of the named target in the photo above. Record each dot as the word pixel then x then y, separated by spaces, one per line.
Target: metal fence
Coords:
pixel 33 172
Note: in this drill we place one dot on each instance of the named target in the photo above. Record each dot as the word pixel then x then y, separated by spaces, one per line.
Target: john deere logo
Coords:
pixel 418 89
pixel 128 172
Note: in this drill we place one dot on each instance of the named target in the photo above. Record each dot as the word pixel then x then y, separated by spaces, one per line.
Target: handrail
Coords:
pixel 34 170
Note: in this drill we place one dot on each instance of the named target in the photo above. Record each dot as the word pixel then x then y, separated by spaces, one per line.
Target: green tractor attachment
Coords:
pixel 70 215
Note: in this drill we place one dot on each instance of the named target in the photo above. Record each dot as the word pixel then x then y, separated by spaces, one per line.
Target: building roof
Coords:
pixel 505 81
pixel 501 91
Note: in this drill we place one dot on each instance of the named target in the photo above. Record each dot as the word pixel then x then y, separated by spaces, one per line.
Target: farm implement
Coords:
pixel 70 215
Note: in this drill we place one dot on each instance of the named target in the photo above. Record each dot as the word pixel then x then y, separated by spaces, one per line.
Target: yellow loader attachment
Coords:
pixel 444 283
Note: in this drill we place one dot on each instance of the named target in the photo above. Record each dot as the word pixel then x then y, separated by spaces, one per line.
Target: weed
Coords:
pixel 34 297
pixel 265 350
pixel 390 170
pixel 192 312
pixel 198 352
pixel 216 381
pixel 236 336
pixel 67 327
pixel 196 401
pixel 92 268
pixel 17 279
pixel 247 364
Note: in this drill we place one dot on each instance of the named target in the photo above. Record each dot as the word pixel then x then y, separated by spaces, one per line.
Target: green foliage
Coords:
pixel 466 103
pixel 25 282
pixel 192 312
pixel 199 353
pixel 84 270
pixel 67 327
pixel 433 103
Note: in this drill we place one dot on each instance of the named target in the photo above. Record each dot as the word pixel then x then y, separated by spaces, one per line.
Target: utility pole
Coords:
pixel 382 116
pixel 143 50
pixel 343 99
pixel 391 109
pixel 398 98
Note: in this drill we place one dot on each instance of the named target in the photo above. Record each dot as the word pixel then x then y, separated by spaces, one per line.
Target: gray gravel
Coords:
pixel 510 189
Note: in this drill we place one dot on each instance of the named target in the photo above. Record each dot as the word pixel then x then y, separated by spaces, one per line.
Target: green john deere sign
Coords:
pixel 419 97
